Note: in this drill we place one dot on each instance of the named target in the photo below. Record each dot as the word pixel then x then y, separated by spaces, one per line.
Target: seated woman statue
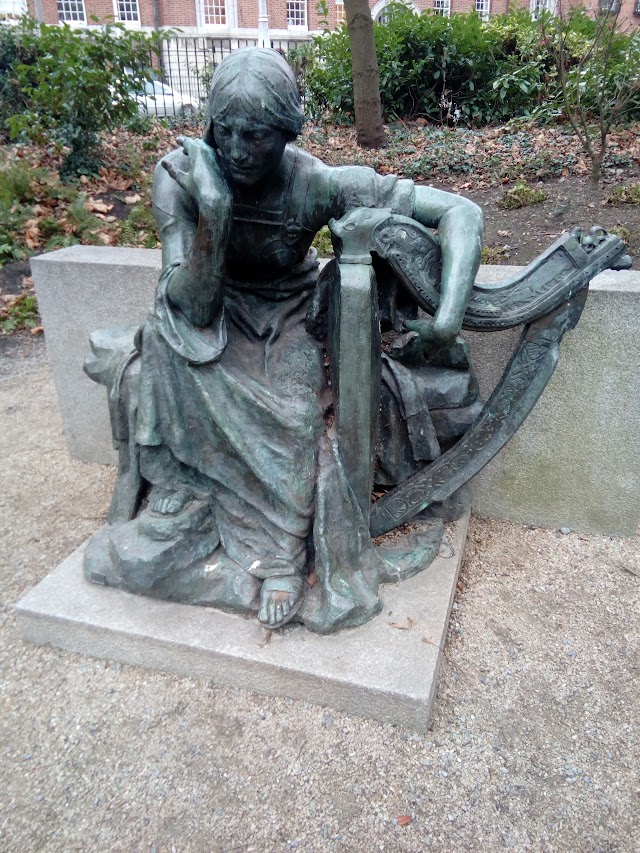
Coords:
pixel 246 496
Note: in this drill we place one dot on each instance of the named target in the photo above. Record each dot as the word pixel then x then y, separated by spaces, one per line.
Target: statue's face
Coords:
pixel 251 150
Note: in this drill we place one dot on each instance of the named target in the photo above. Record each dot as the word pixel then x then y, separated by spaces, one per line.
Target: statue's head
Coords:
pixel 254 110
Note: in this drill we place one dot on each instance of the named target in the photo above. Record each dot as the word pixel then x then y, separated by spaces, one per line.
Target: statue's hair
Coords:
pixel 262 81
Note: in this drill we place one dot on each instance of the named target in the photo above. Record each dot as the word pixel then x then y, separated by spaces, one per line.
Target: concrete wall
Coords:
pixel 575 462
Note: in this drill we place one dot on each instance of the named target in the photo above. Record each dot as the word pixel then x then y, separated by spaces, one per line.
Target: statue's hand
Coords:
pixel 423 339
pixel 432 332
pixel 204 181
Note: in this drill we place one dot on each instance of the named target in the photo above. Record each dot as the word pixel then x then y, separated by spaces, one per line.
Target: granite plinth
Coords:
pixel 378 671
pixel 81 289
pixel 575 462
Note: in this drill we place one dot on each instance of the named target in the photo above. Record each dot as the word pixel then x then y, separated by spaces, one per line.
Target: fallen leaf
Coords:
pixel 119 183
pixel 404 819
pixel 38 330
pixel 32 234
pixel 410 622
pixel 103 237
pixel 96 206
pixel 397 625
pixel 504 233
pixel 132 199
pixel 312 580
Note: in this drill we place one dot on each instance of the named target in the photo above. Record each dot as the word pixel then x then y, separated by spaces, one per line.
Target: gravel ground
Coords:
pixel 534 745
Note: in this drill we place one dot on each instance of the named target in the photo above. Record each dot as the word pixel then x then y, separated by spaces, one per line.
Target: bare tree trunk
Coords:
pixel 366 80
pixel 597 159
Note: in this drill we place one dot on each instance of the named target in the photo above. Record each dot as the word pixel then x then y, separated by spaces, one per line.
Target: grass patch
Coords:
pixel 625 195
pixel 12 219
pixel 15 183
pixel 630 238
pixel 495 254
pixel 521 195
pixel 322 242
pixel 20 313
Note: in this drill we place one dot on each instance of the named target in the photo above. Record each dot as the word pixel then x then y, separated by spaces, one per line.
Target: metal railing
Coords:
pixel 185 69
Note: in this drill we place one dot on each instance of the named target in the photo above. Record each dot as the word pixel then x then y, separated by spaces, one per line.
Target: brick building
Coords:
pixel 285 19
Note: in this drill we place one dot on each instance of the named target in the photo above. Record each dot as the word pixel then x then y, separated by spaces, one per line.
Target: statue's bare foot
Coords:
pixel 166 502
pixel 280 600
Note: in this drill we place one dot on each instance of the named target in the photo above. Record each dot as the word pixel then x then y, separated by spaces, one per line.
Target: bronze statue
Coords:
pixel 236 487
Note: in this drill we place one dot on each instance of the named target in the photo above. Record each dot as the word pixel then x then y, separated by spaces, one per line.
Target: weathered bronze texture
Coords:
pixel 261 404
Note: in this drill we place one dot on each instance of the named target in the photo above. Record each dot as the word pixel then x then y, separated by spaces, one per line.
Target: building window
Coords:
pixel 127 11
pixel 482 8
pixel 540 6
pixel 341 17
pixel 297 13
pixel 214 13
pixel 636 8
pixel 609 7
pixel 11 9
pixel 442 7
pixel 72 11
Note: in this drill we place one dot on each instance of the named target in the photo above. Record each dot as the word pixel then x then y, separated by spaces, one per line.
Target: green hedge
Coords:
pixel 450 70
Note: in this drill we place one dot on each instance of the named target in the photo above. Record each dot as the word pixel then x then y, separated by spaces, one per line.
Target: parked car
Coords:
pixel 159 99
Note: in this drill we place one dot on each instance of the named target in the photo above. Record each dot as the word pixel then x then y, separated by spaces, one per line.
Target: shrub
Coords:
pixel 452 70
pixel 77 83
pixel 441 68
pixel 15 183
pixel 12 54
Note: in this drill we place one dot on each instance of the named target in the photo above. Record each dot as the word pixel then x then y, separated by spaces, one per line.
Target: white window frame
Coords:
pixel 216 6
pixel 230 14
pixel 378 8
pixel 116 11
pixel 11 10
pixel 302 4
pixel 483 8
pixel 442 7
pixel 538 6
pixel 62 3
pixel 340 18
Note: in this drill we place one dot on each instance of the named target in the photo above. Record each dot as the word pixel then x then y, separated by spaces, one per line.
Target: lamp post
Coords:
pixel 263 24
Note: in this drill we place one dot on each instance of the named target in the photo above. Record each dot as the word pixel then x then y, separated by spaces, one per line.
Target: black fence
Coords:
pixel 184 72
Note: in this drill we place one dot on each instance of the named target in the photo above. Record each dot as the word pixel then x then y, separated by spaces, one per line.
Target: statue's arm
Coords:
pixel 460 228
pixel 195 285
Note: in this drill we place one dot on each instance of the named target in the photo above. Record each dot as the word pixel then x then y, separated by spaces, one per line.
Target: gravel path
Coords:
pixel 535 741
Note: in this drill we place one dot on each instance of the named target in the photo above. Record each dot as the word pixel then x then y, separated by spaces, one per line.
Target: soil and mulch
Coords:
pixel 485 166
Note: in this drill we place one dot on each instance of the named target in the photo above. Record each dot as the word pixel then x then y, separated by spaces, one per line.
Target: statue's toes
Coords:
pixel 280 605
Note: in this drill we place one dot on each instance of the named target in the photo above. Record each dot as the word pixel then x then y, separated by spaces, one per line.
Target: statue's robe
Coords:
pixel 237 416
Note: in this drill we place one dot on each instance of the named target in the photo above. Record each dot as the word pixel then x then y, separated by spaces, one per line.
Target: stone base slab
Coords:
pixel 380 671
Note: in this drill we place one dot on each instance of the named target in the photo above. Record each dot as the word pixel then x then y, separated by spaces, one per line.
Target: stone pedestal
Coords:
pixel 386 670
